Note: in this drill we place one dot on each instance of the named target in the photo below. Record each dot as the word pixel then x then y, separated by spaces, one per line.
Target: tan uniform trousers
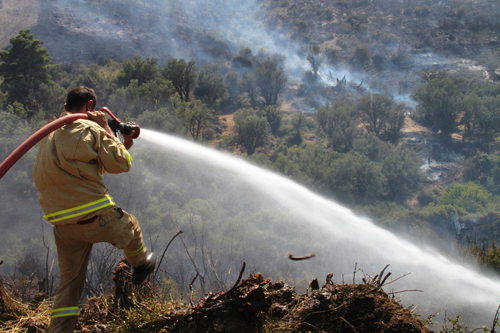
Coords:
pixel 74 243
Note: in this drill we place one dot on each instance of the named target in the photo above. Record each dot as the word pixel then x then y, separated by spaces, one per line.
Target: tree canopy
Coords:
pixel 270 79
pixel 24 67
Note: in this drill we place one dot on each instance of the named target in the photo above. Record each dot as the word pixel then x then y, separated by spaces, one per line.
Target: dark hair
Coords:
pixel 78 97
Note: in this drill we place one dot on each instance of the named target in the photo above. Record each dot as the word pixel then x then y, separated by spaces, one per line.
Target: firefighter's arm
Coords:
pixel 109 150
pixel 100 118
pixel 113 155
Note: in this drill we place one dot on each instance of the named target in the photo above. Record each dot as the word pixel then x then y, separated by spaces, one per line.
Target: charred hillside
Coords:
pixel 451 28
pixel 394 31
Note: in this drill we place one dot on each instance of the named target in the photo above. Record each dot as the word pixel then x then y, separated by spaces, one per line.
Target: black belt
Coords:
pixel 90 220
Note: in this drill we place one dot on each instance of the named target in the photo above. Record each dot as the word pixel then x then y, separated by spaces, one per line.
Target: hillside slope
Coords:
pixel 401 35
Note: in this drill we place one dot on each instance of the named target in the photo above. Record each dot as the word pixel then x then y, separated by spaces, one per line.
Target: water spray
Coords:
pixel 115 124
pixel 293 218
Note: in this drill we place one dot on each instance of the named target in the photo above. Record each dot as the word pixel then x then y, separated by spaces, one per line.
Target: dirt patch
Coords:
pixel 411 126
pixel 227 122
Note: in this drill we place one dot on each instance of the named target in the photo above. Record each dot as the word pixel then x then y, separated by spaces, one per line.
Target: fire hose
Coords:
pixel 115 124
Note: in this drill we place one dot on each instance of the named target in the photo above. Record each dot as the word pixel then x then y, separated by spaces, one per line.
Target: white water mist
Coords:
pixel 341 239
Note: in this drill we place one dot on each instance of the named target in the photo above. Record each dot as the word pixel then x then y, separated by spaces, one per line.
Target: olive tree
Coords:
pixel 252 131
pixel 270 79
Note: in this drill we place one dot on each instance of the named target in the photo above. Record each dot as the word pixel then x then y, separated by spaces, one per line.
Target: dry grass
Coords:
pixel 26 318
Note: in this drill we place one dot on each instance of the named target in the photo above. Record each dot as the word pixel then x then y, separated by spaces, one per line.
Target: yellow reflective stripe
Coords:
pixel 136 252
pixel 80 210
pixel 65 312
pixel 129 157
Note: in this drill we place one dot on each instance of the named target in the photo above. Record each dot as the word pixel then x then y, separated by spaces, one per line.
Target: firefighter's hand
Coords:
pixel 100 118
pixel 128 141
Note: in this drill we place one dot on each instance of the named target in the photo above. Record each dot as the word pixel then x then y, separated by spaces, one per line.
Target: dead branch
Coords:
pixel 406 274
pixel 404 291
pixel 377 280
pixel 329 278
pixel 383 281
pixel 314 284
pixel 495 320
pixel 163 254
pixel 235 285
pixel 191 288
pixel 123 287
pixel 308 256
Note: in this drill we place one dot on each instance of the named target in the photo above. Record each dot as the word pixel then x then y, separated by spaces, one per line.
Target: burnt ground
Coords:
pixel 254 304
pixel 403 36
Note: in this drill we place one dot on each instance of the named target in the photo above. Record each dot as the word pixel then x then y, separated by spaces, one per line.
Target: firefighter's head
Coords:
pixel 80 99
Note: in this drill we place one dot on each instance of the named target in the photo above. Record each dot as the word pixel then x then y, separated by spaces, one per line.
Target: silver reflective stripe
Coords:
pixel 80 210
pixel 65 312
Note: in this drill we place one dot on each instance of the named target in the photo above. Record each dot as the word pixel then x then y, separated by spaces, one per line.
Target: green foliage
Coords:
pixel 243 60
pixel 382 116
pixel 51 97
pixel 297 123
pixel 337 122
pixel 271 80
pixel 231 80
pixel 400 57
pixel 138 69
pixel 480 117
pixel 387 214
pixel 273 116
pixel 100 78
pixel 439 103
pixel 182 74
pixel 141 317
pixel 486 254
pixel 372 147
pixel 135 99
pixel 25 61
pixel 355 178
pixel 199 120
pixel 484 169
pixel 210 87
pixel 251 131
pixel 401 168
pixel 24 67
pixel 353 166
pixel 315 59
pixel 361 55
pixel 470 196
pixel 248 85
pixel 162 120
pixel 426 197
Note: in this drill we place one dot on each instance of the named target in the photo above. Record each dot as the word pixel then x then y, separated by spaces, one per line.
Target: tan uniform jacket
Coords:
pixel 69 169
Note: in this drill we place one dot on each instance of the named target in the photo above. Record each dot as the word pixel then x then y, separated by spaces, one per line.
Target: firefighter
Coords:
pixel 68 173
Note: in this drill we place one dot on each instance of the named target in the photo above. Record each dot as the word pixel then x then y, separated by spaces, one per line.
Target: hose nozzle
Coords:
pixel 117 126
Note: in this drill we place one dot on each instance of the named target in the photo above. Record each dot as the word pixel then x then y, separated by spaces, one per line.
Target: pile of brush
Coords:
pixel 254 304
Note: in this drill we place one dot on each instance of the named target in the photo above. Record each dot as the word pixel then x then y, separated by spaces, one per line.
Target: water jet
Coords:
pixel 309 222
